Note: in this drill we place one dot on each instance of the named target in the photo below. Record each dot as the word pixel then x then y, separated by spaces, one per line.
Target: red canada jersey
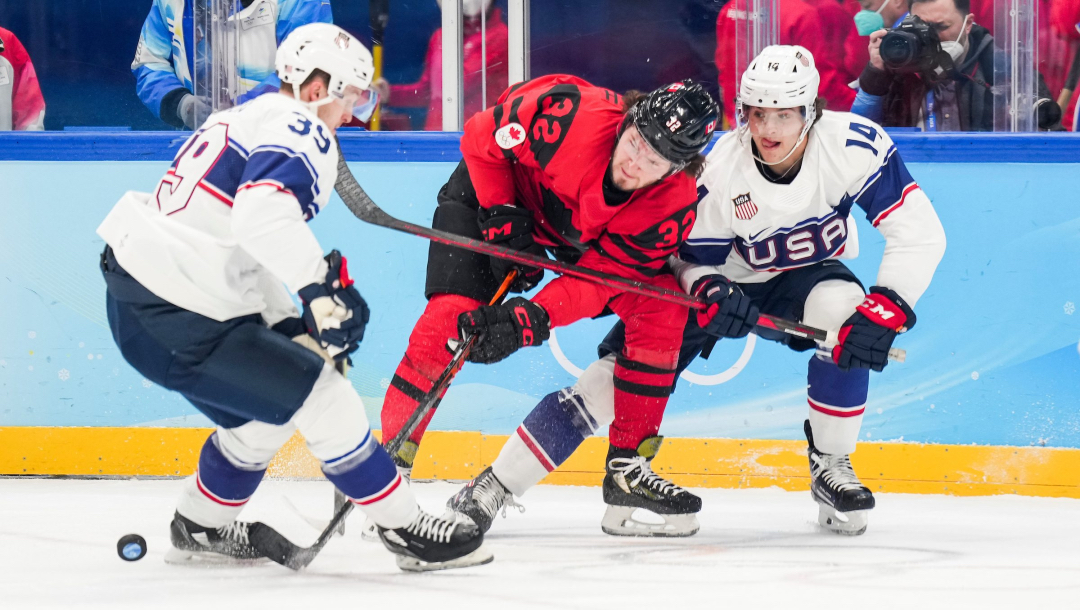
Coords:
pixel 546 146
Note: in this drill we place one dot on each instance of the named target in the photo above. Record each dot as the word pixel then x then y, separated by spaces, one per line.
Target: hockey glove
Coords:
pixel 867 336
pixel 730 313
pixel 511 227
pixel 334 312
pixel 193 110
pixel 504 329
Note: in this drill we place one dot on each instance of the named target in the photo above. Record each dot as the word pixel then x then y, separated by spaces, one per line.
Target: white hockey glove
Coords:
pixel 194 110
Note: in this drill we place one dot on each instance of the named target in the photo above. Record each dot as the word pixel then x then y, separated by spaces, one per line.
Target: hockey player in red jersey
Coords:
pixel 597 178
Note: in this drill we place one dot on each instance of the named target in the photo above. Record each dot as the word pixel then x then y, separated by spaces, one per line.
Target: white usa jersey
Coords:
pixel 226 226
pixel 750 229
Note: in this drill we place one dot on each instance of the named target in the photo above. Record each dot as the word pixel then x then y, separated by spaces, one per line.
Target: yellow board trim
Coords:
pixel 963 470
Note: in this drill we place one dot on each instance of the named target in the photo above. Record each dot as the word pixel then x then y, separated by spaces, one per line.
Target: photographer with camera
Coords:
pixel 935 71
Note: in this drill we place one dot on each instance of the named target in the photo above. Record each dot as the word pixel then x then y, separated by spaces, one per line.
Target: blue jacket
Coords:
pixel 164 58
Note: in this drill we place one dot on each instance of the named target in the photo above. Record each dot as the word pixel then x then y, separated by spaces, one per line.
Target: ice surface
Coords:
pixel 761 547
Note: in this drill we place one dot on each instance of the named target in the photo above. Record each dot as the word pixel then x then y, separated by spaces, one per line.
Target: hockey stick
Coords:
pixel 428 401
pixel 279 549
pixel 361 205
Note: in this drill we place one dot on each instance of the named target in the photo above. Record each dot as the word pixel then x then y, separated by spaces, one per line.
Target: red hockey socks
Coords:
pixel 641 394
pixel 425 359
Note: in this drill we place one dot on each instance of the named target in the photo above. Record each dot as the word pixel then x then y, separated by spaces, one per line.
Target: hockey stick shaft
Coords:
pixel 342 504
pixel 362 206
pixel 428 401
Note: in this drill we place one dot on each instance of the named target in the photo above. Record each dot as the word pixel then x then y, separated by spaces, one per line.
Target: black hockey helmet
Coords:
pixel 677 121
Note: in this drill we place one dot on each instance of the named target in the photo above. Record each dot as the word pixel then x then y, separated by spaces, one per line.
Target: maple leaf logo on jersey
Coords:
pixel 744 208
pixel 510 135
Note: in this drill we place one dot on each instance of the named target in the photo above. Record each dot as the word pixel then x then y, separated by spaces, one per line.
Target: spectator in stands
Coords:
pixel 839 31
pixel 22 107
pixel 942 95
pixel 1065 24
pixel 428 90
pixel 164 64
pixel 801 24
pixel 875 14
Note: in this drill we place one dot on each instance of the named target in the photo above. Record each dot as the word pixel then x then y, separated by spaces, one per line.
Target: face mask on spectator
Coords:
pixel 868 22
pixel 955 48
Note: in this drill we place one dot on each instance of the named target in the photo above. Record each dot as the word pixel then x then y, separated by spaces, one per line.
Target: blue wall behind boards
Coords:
pixel 993 360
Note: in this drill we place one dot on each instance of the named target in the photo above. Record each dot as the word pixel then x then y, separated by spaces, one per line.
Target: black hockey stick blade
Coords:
pixel 361 205
pixel 279 549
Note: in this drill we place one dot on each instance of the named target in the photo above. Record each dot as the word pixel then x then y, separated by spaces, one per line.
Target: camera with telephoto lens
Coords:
pixel 913 46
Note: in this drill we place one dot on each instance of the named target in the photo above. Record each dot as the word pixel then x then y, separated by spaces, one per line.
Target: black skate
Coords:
pixel 482 498
pixel 195 544
pixel 403 460
pixel 844 503
pixel 631 484
pixel 433 543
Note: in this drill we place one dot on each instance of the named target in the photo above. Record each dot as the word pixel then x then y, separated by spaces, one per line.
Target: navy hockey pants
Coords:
pixel 234 371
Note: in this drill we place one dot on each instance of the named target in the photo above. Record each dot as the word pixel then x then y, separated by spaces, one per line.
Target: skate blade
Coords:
pixel 849 524
pixel 206 559
pixel 370 533
pixel 478 557
pixel 620 521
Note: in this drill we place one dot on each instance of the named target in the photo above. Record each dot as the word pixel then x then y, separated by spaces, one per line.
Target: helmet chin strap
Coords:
pixel 745 142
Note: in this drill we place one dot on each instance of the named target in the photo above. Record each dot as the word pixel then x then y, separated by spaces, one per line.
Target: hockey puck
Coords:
pixel 131 547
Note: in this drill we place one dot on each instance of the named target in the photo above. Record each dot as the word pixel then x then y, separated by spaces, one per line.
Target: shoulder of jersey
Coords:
pixel 854 141
pixel 279 120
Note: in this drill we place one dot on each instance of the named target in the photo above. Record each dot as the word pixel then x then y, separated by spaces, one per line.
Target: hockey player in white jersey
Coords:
pixel 774 218
pixel 199 275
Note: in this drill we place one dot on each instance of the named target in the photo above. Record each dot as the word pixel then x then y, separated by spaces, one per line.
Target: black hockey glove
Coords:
pixel 334 312
pixel 730 313
pixel 504 329
pixel 511 227
pixel 867 336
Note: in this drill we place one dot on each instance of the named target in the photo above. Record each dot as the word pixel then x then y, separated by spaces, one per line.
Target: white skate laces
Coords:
pixel 432 527
pixel 645 474
pixel 836 471
pixel 235 532
pixel 492 496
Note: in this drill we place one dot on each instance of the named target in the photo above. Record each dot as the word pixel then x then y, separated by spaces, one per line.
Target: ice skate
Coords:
pixel 482 498
pixel 432 543
pixel 631 484
pixel 194 544
pixel 844 503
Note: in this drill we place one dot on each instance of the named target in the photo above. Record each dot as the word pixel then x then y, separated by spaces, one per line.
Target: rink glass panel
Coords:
pixel 993 360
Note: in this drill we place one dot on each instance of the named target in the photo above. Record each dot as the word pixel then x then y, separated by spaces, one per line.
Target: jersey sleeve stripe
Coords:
pixel 886 188
pixel 611 252
pixel 291 170
pixel 911 187
pixel 707 254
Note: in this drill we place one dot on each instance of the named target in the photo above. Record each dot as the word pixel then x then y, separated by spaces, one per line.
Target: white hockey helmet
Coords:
pixel 326 47
pixel 781 76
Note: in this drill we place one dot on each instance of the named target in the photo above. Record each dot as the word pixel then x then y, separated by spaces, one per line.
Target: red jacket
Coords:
pixel 27 104
pixel 428 90
pixel 801 24
pixel 546 146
